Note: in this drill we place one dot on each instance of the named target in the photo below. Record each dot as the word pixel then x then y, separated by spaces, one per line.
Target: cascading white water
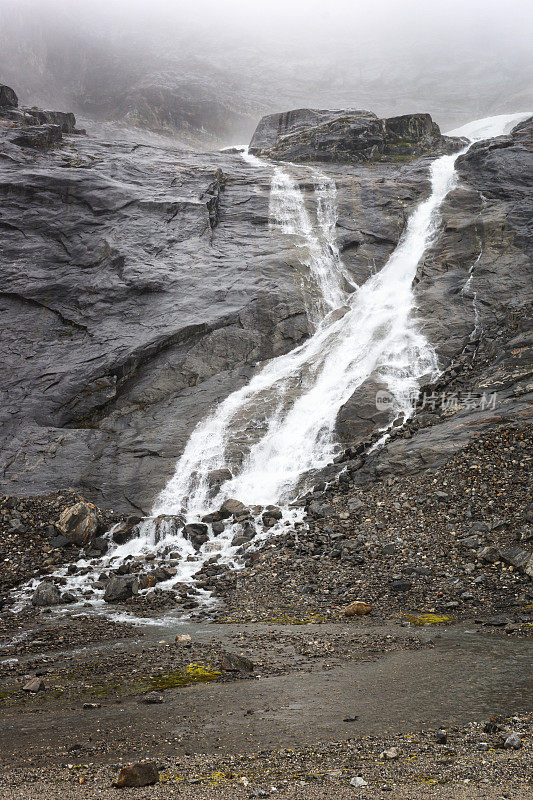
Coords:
pixel 319 256
pixel 374 332
pixel 358 332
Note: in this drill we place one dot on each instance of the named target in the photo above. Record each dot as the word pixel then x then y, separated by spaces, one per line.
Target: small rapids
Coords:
pixel 280 427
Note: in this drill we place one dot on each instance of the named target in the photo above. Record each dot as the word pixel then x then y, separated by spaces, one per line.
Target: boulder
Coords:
pixel 216 478
pixel 400 585
pixel 100 544
pixel 391 754
pixel 125 530
pixel 119 588
pixel 142 773
pixel 232 508
pixel 231 662
pixel 167 525
pixel 348 136
pixel 318 510
pixel 519 558
pixel 34 685
pixel 146 581
pixel 196 533
pixel 271 515
pixel 368 408
pixel 357 609
pixel 65 120
pixel 79 523
pixel 46 594
pixel 8 98
pixel 512 741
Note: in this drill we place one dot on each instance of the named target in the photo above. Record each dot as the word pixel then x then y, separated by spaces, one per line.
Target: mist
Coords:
pixel 209 70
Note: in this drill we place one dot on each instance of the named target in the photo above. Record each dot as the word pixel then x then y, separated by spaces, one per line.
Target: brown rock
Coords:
pixel 357 609
pixel 143 773
pixel 79 523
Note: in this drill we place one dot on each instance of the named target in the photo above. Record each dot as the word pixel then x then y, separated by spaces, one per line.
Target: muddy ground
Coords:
pixel 320 705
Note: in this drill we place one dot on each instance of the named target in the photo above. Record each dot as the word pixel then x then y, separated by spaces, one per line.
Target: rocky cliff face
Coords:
pixel 142 284
pixel 348 136
pixel 474 295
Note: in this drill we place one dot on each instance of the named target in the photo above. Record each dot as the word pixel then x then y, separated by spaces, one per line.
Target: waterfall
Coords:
pixel 357 332
pixel 371 330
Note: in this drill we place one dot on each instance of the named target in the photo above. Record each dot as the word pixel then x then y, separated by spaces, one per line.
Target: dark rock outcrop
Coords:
pixel 31 127
pixel 348 136
pixel 8 98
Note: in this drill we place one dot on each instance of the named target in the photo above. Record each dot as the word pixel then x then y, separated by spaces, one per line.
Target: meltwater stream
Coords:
pixel 280 426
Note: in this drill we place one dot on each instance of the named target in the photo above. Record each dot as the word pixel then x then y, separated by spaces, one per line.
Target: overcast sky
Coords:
pixel 454 58
pixel 505 21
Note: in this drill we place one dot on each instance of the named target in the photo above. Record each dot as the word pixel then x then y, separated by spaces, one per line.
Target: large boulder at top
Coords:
pixel 79 523
pixel 8 98
pixel 348 136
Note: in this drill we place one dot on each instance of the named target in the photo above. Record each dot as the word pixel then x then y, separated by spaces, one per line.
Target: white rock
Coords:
pixel 390 754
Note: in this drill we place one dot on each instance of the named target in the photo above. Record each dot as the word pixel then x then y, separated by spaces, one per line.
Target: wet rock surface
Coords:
pixel 128 353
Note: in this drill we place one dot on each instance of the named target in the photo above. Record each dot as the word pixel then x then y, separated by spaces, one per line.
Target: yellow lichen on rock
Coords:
pixel 428 619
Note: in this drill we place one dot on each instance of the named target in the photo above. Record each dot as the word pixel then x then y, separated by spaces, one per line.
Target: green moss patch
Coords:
pixel 193 673
pixel 428 619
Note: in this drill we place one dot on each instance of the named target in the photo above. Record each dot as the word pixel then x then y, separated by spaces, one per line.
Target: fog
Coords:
pixel 211 68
